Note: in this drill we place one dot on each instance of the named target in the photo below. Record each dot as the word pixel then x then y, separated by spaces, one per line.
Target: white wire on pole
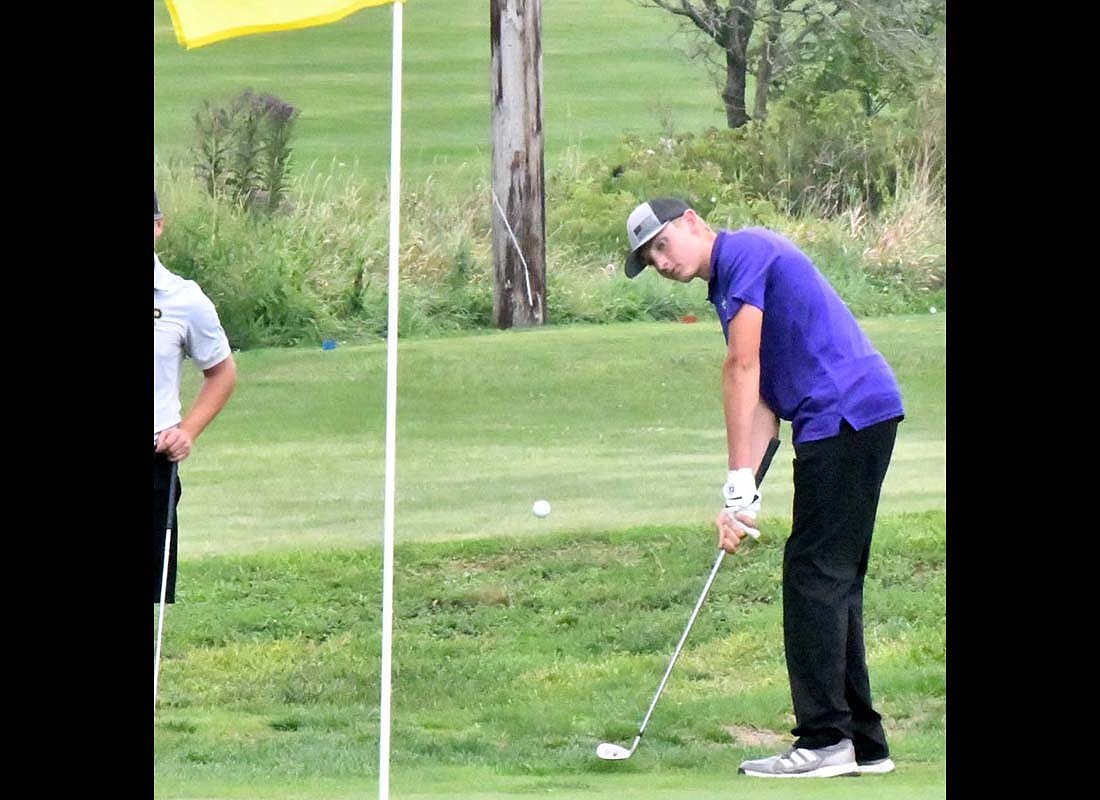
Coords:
pixel 391 409
pixel 519 251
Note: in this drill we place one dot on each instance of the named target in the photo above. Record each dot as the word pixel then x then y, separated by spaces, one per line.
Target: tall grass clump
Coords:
pixel 319 268
pixel 252 268
pixel 242 151
pixel 909 236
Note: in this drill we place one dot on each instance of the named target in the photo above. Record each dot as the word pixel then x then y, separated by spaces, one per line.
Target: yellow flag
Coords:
pixel 201 22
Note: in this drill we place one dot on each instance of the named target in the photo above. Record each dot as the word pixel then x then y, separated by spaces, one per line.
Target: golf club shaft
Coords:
pixel 164 573
pixel 765 462
pixel 687 630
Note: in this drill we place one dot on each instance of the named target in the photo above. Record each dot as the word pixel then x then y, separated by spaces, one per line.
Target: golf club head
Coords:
pixel 612 752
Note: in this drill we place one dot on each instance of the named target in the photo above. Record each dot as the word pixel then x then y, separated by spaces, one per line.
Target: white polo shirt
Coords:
pixel 185 322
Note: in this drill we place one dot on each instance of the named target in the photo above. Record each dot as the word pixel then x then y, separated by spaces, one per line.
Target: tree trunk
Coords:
pixel 734 94
pixel 518 202
pixel 734 38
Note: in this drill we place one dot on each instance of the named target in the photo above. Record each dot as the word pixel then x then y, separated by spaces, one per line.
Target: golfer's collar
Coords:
pixel 712 283
pixel 162 278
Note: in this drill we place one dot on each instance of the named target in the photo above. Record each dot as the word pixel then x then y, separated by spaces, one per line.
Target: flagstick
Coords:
pixel 391 408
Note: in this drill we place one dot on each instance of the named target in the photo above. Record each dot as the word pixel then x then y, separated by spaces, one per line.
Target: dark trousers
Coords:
pixel 836 491
pixel 162 470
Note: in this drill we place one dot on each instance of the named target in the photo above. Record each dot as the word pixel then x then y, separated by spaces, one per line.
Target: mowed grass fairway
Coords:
pixel 615 425
pixel 338 75
pixel 520 644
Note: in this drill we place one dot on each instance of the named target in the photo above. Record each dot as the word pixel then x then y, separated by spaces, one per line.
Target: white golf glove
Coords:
pixel 742 497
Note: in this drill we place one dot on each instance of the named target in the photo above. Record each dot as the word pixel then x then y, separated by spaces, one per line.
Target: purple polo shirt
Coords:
pixel 817 367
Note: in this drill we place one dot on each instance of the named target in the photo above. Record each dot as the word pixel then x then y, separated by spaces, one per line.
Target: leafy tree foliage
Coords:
pixel 881 49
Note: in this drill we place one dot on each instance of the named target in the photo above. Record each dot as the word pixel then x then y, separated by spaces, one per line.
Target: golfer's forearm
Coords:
pixel 217 386
pixel 740 399
pixel 765 427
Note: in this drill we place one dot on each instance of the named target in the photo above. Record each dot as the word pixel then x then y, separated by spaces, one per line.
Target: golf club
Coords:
pixel 164 574
pixel 610 751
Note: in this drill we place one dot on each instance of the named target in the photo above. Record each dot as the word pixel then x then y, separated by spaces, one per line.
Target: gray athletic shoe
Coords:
pixel 879 766
pixel 800 762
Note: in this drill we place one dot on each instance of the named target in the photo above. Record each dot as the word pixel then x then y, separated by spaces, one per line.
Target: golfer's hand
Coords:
pixel 175 443
pixel 738 518
pixel 731 531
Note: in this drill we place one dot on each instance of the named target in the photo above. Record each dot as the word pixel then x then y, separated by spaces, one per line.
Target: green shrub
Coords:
pixel 251 270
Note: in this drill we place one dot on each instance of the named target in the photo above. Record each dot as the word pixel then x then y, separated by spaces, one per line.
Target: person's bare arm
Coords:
pixel 218 383
pixel 741 390
pixel 750 424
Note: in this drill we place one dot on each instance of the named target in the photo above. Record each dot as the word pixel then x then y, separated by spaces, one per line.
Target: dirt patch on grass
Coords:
pixel 748 736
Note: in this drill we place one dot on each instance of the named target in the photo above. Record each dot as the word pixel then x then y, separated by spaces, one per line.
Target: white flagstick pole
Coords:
pixel 391 407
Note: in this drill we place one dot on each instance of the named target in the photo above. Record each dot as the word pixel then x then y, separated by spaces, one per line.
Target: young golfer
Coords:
pixel 794 347
pixel 185 323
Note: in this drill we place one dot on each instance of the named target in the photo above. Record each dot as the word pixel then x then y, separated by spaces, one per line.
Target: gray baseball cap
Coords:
pixel 645 222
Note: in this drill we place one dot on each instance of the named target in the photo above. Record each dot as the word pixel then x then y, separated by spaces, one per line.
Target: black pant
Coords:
pixel 836 491
pixel 162 470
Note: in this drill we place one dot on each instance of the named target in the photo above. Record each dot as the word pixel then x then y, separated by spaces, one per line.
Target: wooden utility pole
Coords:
pixel 519 200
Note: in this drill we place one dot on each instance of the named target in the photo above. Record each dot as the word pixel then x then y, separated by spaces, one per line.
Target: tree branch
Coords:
pixel 706 20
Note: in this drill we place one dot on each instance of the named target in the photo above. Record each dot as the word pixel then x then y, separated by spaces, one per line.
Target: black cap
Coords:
pixel 645 222
pixel 156 207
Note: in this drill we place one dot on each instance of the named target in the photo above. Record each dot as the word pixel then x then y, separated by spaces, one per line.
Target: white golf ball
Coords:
pixel 932 310
pixel 541 508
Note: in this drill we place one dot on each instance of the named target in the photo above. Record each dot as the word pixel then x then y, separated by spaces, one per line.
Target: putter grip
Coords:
pixel 172 472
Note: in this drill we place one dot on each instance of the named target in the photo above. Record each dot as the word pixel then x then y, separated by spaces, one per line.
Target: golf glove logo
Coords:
pixel 741 494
